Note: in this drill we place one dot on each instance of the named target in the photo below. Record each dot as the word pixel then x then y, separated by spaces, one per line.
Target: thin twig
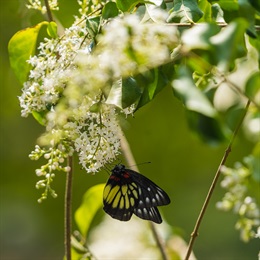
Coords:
pixel 131 161
pixel 159 242
pixel 67 209
pixel 50 18
pixel 195 233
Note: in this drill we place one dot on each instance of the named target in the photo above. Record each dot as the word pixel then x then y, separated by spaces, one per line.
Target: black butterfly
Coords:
pixel 128 192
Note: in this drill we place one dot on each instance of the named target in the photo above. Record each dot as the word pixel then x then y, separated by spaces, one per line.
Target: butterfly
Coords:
pixel 128 192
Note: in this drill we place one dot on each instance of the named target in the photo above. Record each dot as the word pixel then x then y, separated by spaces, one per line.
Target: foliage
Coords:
pixel 115 58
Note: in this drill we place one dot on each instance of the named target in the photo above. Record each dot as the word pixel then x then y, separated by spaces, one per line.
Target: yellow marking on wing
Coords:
pixel 127 202
pixel 122 203
pixel 112 194
pixel 124 189
pixel 116 201
pixel 135 193
pixel 134 184
pixel 106 191
pixel 132 201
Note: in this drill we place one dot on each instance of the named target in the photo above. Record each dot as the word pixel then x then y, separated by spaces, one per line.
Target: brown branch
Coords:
pixel 67 210
pixel 131 161
pixel 50 18
pixel 195 233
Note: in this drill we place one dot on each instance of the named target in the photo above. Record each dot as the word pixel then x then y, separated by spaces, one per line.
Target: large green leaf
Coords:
pixel 92 201
pixel 152 82
pixel 21 46
pixel 230 44
pixel 110 10
pixel 124 93
pixel 185 11
pixel 192 97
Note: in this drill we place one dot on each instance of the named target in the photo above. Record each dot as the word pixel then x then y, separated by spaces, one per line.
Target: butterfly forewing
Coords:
pixel 128 192
pixel 120 197
pixel 150 195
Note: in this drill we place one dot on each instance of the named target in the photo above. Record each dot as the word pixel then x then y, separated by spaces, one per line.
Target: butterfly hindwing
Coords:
pixel 148 214
pixel 128 192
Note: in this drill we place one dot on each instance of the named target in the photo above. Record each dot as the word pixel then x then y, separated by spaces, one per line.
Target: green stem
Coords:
pixel 195 232
pixel 67 210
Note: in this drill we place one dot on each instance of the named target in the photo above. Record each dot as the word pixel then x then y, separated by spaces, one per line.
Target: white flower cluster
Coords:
pixel 237 199
pixel 38 5
pixel 50 70
pixel 128 46
pixel 69 83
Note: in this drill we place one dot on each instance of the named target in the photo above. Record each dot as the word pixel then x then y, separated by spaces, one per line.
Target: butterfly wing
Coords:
pixel 152 214
pixel 150 194
pixel 120 196
pixel 128 192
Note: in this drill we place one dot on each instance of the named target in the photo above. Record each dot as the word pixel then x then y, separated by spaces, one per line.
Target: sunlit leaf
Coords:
pixel 229 44
pixel 205 7
pixel 185 11
pixel 21 46
pixel 198 37
pixel 40 117
pixel 93 26
pixel 192 97
pixel 152 9
pixel 52 29
pixel 92 201
pixel 217 13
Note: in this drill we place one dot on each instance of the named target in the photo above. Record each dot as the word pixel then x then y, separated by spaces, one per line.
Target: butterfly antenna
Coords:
pixel 139 164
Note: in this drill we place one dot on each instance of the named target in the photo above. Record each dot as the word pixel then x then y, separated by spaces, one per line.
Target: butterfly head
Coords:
pixel 118 169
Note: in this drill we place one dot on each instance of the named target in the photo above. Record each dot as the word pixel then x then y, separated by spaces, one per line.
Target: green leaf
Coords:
pixel 198 37
pixel 152 9
pixel 52 29
pixel 230 44
pixel 247 11
pixel 124 93
pixel 21 46
pixel 127 5
pixel 93 26
pixel 152 82
pixel 217 13
pixel 207 128
pixel 205 7
pixel 110 10
pixel 40 116
pixel 92 201
pixel 252 89
pixel 185 11
pixel 192 98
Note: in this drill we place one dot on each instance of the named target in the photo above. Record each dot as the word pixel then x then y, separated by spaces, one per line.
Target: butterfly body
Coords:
pixel 128 192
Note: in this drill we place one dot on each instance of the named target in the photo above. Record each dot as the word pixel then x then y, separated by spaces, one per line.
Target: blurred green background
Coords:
pixel 181 163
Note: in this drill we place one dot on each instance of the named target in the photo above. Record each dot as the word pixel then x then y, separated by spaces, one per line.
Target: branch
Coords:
pixel 67 210
pixel 195 233
pixel 50 18
pixel 131 161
